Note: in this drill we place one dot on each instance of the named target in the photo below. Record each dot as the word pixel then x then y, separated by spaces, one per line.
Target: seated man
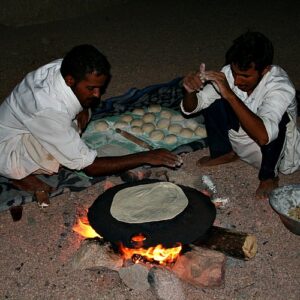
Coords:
pixel 37 129
pixel 250 111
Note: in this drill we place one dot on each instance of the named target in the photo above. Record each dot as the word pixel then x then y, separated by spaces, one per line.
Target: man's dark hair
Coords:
pixel 82 60
pixel 251 47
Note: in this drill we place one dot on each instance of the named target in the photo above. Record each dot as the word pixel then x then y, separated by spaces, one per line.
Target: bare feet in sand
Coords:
pixel 207 161
pixel 34 185
pixel 31 184
pixel 265 188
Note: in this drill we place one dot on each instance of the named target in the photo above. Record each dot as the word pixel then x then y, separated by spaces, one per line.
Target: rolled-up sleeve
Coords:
pixel 205 98
pixel 274 104
pixel 54 131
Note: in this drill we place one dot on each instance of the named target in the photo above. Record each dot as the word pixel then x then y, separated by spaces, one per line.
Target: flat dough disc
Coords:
pixel 148 203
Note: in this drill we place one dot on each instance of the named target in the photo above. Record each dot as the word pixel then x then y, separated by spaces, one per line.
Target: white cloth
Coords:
pixel 43 106
pixel 274 95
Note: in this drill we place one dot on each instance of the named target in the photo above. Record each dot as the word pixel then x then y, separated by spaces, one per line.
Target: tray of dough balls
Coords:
pixel 159 126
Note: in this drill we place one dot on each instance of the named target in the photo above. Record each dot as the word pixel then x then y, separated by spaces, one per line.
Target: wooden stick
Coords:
pixel 233 243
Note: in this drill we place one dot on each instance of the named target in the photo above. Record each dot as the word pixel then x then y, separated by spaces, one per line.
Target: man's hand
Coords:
pixel 103 166
pixel 82 119
pixel 163 157
pixel 220 82
pixel 194 81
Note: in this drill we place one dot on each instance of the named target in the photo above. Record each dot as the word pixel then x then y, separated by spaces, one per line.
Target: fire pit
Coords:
pixel 190 224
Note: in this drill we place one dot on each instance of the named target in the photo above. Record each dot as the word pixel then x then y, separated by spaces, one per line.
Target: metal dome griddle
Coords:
pixel 190 225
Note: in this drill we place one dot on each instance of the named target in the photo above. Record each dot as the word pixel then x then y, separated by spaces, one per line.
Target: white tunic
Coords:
pixel 43 106
pixel 274 95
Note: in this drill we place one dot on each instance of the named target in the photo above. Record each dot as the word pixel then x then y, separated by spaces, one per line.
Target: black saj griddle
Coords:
pixel 188 226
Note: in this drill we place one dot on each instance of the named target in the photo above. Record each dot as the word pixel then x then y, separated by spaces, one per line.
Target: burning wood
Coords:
pixel 157 254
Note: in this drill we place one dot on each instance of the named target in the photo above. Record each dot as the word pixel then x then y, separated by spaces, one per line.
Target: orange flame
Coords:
pixel 158 253
pixel 84 228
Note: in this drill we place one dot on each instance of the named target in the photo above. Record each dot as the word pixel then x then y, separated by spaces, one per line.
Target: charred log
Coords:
pixel 233 243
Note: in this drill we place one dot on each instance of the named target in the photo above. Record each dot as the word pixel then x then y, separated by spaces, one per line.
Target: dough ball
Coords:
pixel 148 127
pixel 163 123
pixel 177 118
pixel 136 122
pixel 120 124
pixel 175 128
pixel 154 108
pixel 201 132
pixel 149 117
pixel 126 118
pixel 170 139
pixel 137 130
pixel 101 126
pixel 186 132
pixel 156 135
pixel 192 124
pixel 138 111
pixel 166 114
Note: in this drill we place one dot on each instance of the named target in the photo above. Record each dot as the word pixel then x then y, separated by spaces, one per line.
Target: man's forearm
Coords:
pixel 190 101
pixel 103 166
pixel 250 122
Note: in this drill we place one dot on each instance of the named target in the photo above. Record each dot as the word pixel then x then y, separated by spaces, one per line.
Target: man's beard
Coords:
pixel 94 102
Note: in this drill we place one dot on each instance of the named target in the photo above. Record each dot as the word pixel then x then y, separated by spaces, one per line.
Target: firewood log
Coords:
pixel 232 243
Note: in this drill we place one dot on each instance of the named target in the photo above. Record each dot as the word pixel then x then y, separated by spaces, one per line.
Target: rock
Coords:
pixel 92 255
pixel 165 284
pixel 201 267
pixel 135 277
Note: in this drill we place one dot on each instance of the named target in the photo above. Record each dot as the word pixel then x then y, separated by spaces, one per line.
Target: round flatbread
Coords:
pixel 148 203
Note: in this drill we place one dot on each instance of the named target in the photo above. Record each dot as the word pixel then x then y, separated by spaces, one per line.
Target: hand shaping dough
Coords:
pixel 149 117
pixel 120 124
pixel 101 126
pixel 165 114
pixel 138 111
pixel 163 123
pixel 136 122
pixel 148 127
pixel 175 128
pixel 154 108
pixel 126 118
pixel 201 131
pixel 170 139
pixel 186 132
pixel 156 135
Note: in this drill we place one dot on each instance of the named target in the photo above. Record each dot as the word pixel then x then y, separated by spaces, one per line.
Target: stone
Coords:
pixel 165 284
pixel 93 255
pixel 135 276
pixel 201 267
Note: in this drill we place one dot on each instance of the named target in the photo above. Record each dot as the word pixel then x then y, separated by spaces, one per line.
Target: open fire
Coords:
pixel 157 254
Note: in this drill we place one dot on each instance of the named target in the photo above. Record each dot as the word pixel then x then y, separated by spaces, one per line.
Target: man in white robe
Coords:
pixel 41 121
pixel 250 111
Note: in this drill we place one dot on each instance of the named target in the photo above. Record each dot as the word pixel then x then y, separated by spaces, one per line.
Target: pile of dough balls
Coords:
pixel 158 123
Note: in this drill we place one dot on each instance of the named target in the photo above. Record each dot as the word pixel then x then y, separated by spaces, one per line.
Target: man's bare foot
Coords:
pixel 31 184
pixel 265 188
pixel 207 161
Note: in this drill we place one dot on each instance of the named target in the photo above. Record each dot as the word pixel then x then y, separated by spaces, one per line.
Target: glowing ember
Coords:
pixel 84 228
pixel 159 253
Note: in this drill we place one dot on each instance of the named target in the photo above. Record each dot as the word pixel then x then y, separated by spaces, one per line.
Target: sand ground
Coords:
pixel 150 42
